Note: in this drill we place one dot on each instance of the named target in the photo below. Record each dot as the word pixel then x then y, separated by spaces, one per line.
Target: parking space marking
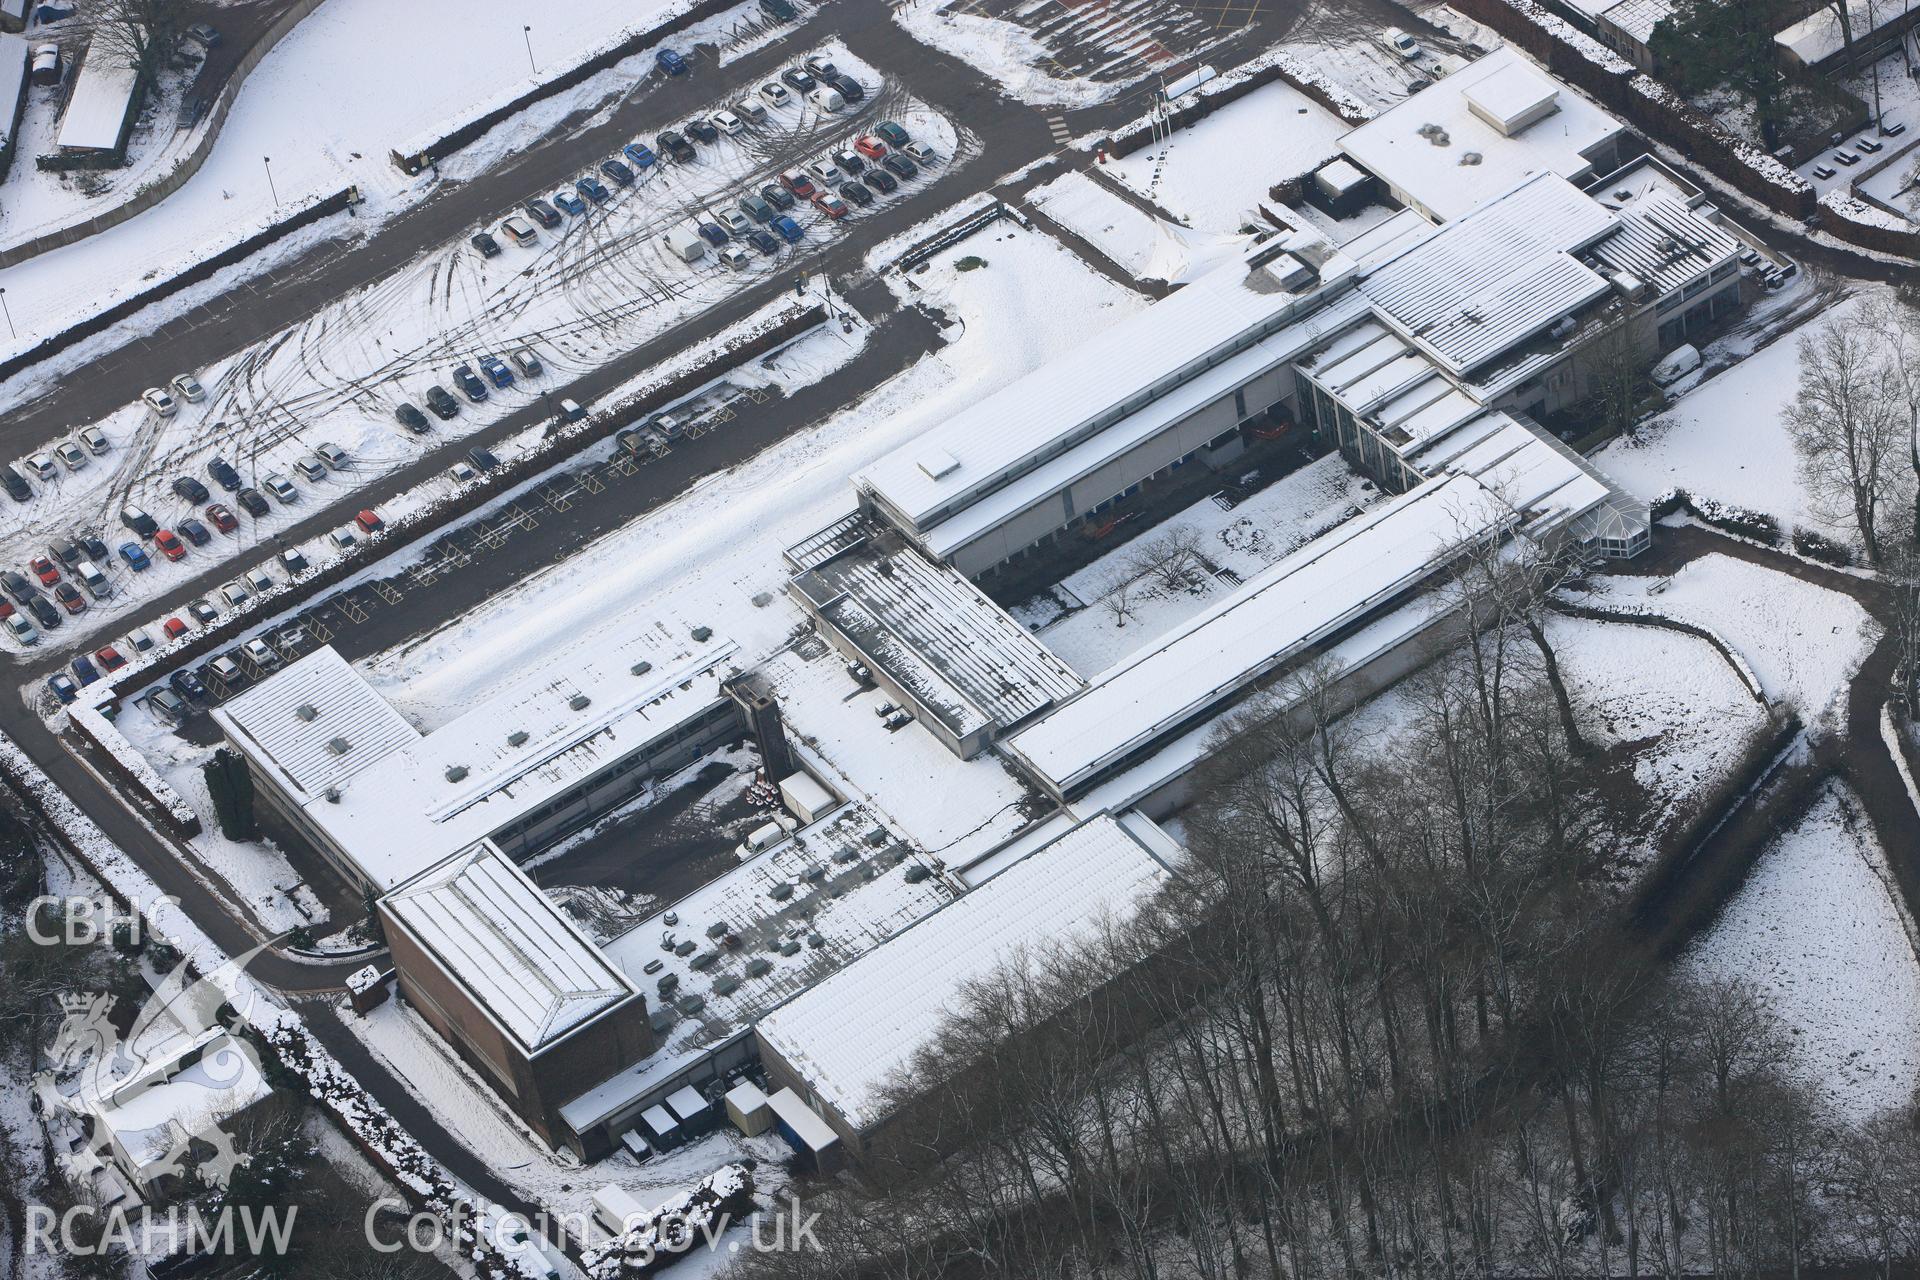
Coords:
pixel 350 609
pixel 319 630
pixel 592 483
pixel 388 592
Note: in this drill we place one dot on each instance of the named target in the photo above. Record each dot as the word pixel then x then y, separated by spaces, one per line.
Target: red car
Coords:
pixel 869 146
pixel 43 569
pixel 831 205
pixel 174 628
pixel 109 658
pixel 169 543
pixel 223 520
pixel 798 183
pixel 6 610
pixel 369 521
pixel 70 599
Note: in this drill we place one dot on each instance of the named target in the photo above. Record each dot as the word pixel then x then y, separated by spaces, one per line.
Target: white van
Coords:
pixel 827 98
pixel 89 572
pixel 684 244
pixel 1676 364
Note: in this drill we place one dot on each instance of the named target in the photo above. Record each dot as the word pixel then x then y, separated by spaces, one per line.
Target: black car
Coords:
pixel 763 242
pixel 849 88
pixel 469 383
pixel 17 487
pixel 68 553
pixel 777 196
pixel 16 585
pixel 799 79
pixel 96 549
pixel 703 130
pixel 543 213
pixel 187 685
pixel 43 612
pixel 675 145
pixel 483 457
pixel 855 193
pixel 195 532
pixel 252 502
pixel 192 490
pixel 412 419
pixel 778 10
pixel 621 175
pixel 486 244
pixel 223 474
pixel 592 188
pixel 442 403
pixel 900 164
pixel 880 180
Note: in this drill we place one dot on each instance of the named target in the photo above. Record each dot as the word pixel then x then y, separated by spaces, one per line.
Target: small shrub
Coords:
pixel 1816 546
pixel 971 262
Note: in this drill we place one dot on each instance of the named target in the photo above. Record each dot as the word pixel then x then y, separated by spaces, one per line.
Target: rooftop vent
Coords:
pixel 579 702
pixel 518 738
pixel 307 711
pixel 339 746
pixel 333 795
pixel 455 772
pixel 937 464
pixel 703 634
pixel 641 668
pixel 1470 158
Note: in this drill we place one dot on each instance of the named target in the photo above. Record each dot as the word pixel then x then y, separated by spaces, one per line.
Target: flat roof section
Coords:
pixel 318 723
pixel 1277 615
pixel 96 115
pixel 937 635
pixel 515 954
pixel 859 1030
pixel 1422 146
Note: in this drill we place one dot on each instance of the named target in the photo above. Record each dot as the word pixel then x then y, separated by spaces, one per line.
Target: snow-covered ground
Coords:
pixel 1142 245
pixel 1218 169
pixel 1089 636
pixel 586 295
pixel 1803 641
pixel 1819 928
pixel 327 105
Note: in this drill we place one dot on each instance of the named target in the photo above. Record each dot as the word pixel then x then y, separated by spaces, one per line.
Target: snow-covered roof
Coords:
pixel 1438 150
pixel 575 712
pixel 937 635
pixel 854 1033
pixel 1275 616
pixel 792 1111
pixel 1068 400
pixel 1635 18
pixel 515 954
pixel 102 99
pixel 1479 286
pixel 1820 35
pixel 1662 241
pixel 152 1122
pixel 318 723
pixel 14 59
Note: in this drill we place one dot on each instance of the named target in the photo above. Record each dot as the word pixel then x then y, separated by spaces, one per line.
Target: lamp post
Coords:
pixel 268 162
pixel 8 313
pixel 527 34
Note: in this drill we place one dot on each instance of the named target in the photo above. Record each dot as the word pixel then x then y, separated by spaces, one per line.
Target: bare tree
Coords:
pixel 1847 424
pixel 1171 558
pixel 136 31
pixel 1117 599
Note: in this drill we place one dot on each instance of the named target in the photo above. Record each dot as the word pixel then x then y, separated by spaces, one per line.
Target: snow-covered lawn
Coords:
pixel 327 105
pixel 1219 168
pixel 1803 641
pixel 587 294
pixel 1818 926
pixel 1073 622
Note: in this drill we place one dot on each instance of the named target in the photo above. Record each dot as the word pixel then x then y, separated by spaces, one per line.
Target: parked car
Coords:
pixel 486 244
pixel 621 175
pixel 443 404
pixel 169 544
pixel 411 418
pixel 203 612
pixel 520 231
pixel 763 242
pixel 17 487
pixel 900 165
pixel 528 363
pixel 369 521
pixel 850 89
pixel 21 629
pixel 44 613
pixel 831 205
pixel 713 233
pixel 818 64
pixel 857 193
pixel 195 532
pixel 469 383
pixel 311 470
pixel 41 465
pixel 751 110
pixel 892 134
pixel 187 684
pixel 462 472
pixel 69 552
pixel 592 188
pixel 262 654
pixel 190 489
pixel 44 569
pixel 234 594
pixel 675 146
pixel 827 98
pixel 542 212
pixel 69 597
pixel 224 475
pixel 496 370
pixel 15 584
pixel 166 703
pixel 1403 44
pixel 736 222
pixel 869 146
pixel 640 155
pixel 252 503
pixel 789 230
pixel 920 154
pixel 778 196
pixel 572 203
pixel 84 671
pixel 333 455
pixel 173 628
pixel 775 94
pixel 139 521
pixel 756 207
pixel 735 259
pixel 135 557
pixel 258 580
pixel 825 174
pixel 881 181
pixel 205 33
pixel 729 123
pixel 671 62
pixel 571 411
pixel 95 440
pixel 63 686
pixel 280 487
pixel 341 539
pixel 71 455
pixel 108 658
pixel 799 79
pixel 223 519
pixel 96 582
pixel 797 181
pixel 483 457
pixel 139 639
pixel 188 388
pixel 701 130
pixel 850 162
pixel 160 402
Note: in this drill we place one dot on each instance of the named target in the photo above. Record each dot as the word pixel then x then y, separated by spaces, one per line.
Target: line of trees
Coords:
pixel 1386 1023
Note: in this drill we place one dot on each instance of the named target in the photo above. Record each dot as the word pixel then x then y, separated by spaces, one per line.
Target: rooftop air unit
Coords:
pixel 307 712
pixel 579 702
pixel 339 746
pixel 518 738
pixel 641 668
pixel 455 772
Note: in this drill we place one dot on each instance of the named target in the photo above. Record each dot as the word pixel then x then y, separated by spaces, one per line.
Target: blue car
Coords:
pixel 187 685
pixel 83 668
pixel 592 188
pixel 789 229
pixel 713 233
pixel 136 558
pixel 670 62
pixel 572 203
pixel 496 370
pixel 63 687
pixel 639 155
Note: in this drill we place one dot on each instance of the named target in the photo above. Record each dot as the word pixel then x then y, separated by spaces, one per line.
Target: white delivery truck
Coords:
pixel 684 243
